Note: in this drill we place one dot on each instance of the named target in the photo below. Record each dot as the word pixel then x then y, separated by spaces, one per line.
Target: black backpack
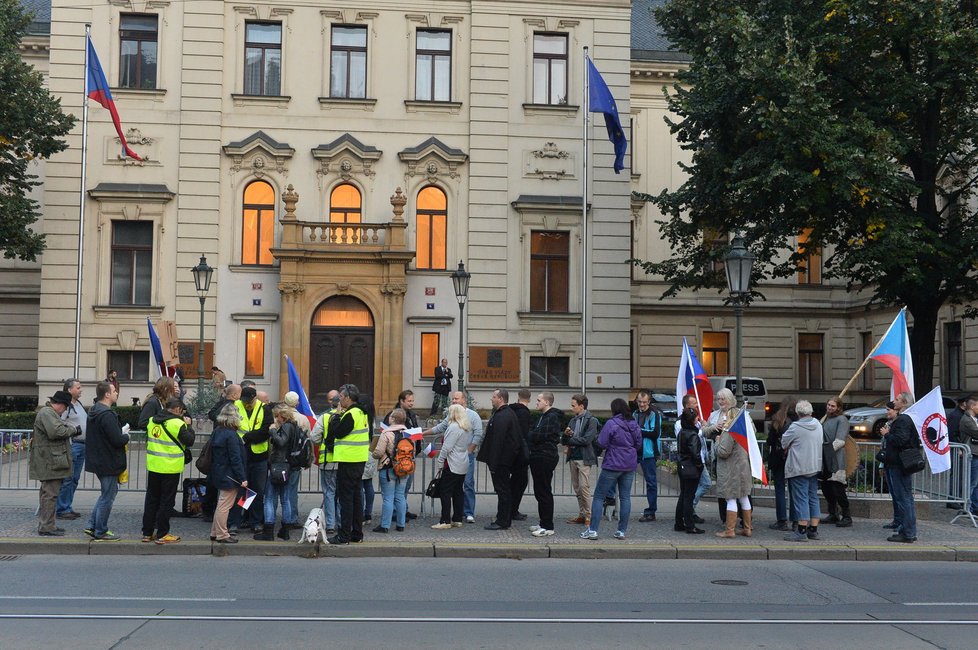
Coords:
pixel 594 443
pixel 300 456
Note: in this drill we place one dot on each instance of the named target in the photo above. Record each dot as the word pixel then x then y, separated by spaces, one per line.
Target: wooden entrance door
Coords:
pixel 339 356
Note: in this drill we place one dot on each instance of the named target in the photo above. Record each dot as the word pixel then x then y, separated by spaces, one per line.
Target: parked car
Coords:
pixel 755 392
pixel 866 421
pixel 665 400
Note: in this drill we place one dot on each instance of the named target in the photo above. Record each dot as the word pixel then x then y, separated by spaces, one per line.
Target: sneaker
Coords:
pixel 619 535
pixel 337 541
pixel 68 516
pixel 146 538
pixel 367 521
pixel 779 525
pixel 900 537
pixel 812 534
pixel 589 534
pixel 108 536
pixel 441 526
pixel 647 518
pixel 534 528
pixel 519 516
pixel 543 532
pixel 469 519
pixel 57 532
pixel 577 520
pixel 228 540
pixel 399 529
pixel 456 524
pixel 891 526
pixel 89 532
pixel 796 536
pixel 168 539
pixel 380 529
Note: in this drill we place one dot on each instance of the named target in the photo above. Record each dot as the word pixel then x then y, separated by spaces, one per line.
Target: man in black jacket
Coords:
pixel 902 435
pixel 520 475
pixel 501 447
pixel 543 439
pixel 105 457
pixel 442 386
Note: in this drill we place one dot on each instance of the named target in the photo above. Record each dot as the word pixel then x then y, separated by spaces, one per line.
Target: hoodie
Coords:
pixel 105 450
pixel 186 435
pixel 802 443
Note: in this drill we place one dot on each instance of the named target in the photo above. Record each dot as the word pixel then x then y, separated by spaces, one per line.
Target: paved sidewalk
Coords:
pixel 866 540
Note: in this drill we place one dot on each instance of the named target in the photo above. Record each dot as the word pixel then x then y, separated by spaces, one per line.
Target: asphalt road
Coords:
pixel 206 602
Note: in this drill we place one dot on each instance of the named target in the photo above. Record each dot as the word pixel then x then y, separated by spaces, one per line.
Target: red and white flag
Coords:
pixel 931 424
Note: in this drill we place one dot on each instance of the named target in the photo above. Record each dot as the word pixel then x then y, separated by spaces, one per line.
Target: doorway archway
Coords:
pixel 341 348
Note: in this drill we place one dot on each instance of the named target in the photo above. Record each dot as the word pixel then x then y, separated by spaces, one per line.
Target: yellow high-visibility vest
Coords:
pixel 355 447
pixel 164 456
pixel 252 422
pixel 325 457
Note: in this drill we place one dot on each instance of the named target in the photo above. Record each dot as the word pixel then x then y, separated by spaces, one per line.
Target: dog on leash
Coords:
pixel 314 528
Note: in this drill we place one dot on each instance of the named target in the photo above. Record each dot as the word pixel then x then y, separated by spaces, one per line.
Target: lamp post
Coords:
pixel 202 281
pixel 739 263
pixel 460 280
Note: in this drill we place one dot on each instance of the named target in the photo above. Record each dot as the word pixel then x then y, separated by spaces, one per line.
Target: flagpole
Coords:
pixel 869 356
pixel 81 209
pixel 584 176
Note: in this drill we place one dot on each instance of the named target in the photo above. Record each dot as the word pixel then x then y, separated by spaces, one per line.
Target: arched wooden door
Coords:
pixel 341 348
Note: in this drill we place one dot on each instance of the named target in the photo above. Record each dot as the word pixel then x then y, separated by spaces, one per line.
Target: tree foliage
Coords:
pixel 32 127
pixel 852 118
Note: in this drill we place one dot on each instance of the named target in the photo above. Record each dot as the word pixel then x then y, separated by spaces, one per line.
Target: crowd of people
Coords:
pixel 261 448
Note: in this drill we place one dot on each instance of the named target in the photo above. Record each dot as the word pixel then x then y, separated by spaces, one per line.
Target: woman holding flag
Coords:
pixel 733 467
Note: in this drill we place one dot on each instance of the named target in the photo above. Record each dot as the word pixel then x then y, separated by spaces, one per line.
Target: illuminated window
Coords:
pixel 255 353
pixel 342 311
pixel 809 268
pixel 433 63
pixel 716 353
pixel 550 69
pixel 258 224
pixel 430 349
pixel 432 229
pixel 549 271
pixel 344 207
pixel 810 359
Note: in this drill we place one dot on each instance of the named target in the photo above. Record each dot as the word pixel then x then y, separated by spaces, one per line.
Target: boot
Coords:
pixel 748 516
pixel 730 523
pixel 266 534
pixel 283 532
pixel 846 520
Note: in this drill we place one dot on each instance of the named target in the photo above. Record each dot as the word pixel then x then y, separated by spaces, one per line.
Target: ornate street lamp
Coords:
pixel 460 280
pixel 739 263
pixel 202 281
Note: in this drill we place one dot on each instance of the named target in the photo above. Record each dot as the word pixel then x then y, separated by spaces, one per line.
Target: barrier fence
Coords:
pixel 867 482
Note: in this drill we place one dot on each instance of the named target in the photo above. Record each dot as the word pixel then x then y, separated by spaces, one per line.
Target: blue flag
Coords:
pixel 602 101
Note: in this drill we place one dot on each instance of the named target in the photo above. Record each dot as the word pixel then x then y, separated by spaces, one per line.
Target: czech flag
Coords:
pixel 693 380
pixel 414 434
pixel 743 432
pixel 245 499
pixel 154 343
pixel 97 89
pixel 430 450
pixel 893 351
pixel 295 385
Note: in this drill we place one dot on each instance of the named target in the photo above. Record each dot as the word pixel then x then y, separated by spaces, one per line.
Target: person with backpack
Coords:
pixel 405 402
pixel 649 420
pixel 284 437
pixel 453 461
pixel 579 438
pixel 395 463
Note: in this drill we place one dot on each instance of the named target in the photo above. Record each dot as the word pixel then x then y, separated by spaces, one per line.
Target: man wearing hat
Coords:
pixel 50 459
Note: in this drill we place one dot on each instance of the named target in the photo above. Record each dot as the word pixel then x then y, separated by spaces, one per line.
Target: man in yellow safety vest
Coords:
pixel 255 420
pixel 168 435
pixel 348 439
pixel 327 464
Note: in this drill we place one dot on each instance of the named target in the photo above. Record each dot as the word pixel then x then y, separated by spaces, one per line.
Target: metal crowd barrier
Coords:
pixel 867 482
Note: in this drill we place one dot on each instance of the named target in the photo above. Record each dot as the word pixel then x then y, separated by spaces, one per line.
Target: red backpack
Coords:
pixel 402 460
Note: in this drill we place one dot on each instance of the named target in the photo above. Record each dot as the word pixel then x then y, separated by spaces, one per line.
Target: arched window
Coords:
pixel 432 229
pixel 345 207
pixel 258 224
pixel 342 311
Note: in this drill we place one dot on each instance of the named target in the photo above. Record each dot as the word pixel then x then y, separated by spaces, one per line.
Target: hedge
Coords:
pixel 25 419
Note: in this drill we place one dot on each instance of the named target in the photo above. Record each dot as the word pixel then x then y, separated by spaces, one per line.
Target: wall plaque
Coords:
pixel 494 364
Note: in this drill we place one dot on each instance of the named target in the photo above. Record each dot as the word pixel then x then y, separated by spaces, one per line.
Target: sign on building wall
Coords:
pixel 494 364
pixel 189 359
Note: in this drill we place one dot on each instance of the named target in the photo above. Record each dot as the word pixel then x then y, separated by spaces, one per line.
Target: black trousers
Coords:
pixel 257 475
pixel 542 470
pixel 835 496
pixel 684 506
pixel 161 495
pixel 349 492
pixel 209 504
pixel 452 496
pixel 519 479
pixel 502 479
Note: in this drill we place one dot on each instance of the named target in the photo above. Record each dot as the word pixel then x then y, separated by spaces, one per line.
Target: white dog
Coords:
pixel 313 529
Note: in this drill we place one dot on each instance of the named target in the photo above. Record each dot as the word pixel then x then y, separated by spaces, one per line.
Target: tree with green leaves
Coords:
pixel 852 121
pixel 32 127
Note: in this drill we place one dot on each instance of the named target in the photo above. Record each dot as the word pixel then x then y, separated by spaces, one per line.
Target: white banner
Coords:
pixel 931 424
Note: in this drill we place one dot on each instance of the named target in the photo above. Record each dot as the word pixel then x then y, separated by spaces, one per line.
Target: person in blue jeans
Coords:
pixel 475 422
pixel 776 457
pixel 282 439
pixel 393 488
pixel 76 417
pixel 649 421
pixel 968 434
pixel 901 435
pixel 106 449
pixel 621 439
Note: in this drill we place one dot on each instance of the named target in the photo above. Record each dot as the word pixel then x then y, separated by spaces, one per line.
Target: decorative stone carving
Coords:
pixel 432 159
pixel 127 339
pixel 716 324
pixel 811 325
pixel 393 289
pixel 289 197
pixel 346 157
pixel 550 347
pixel 259 154
pixel 550 162
pixel 343 287
pixel 290 290
pixel 398 200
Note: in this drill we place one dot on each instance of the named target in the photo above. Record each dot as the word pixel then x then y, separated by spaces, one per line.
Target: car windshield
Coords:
pixel 663 397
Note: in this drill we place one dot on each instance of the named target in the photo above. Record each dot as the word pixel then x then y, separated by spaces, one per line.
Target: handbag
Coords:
pixel 206 459
pixel 688 470
pixel 433 491
pixel 278 473
pixel 912 460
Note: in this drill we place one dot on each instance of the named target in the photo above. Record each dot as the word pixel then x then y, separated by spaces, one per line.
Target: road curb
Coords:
pixel 18 546
pixel 619 552
pixel 125 547
pixel 915 554
pixel 497 551
pixel 721 552
pixel 807 552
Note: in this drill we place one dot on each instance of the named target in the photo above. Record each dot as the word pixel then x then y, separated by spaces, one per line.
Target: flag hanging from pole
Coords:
pixel 295 385
pixel 97 89
pixel 893 352
pixel 600 100
pixel 154 344
pixel 693 380
pixel 931 424
pixel 743 432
